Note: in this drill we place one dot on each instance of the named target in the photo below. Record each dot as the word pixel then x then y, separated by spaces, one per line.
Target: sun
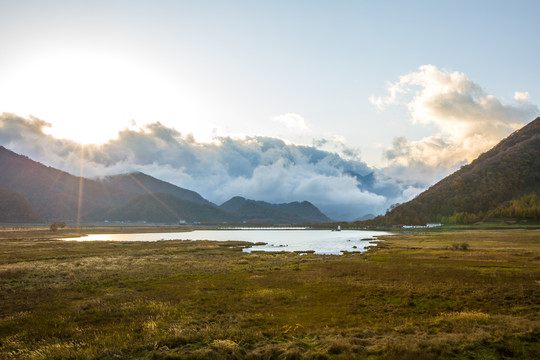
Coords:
pixel 87 96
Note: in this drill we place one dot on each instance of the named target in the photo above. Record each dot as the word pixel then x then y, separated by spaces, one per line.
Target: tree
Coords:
pixel 57 225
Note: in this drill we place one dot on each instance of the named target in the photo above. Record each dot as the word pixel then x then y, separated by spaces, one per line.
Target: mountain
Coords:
pixel 139 183
pixel 234 204
pixel 50 194
pixel 304 209
pixel 509 170
pixel 15 208
pixel 54 194
pixel 365 217
pixel 167 208
pixel 263 212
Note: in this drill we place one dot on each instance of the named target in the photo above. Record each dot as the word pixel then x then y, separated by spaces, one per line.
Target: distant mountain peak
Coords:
pixel 140 183
pixel 293 212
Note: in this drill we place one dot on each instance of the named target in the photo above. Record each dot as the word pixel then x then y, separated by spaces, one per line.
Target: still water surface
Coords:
pixel 319 241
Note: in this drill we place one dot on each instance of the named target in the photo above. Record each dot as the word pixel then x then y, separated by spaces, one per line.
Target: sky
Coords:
pixel 251 90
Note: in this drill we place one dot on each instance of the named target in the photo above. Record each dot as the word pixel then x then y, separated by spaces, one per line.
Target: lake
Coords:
pixel 325 242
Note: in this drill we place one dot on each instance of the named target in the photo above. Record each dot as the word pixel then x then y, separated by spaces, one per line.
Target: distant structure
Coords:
pixel 428 225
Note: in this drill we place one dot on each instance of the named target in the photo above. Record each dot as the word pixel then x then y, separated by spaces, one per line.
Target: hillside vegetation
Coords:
pixel 139 183
pixel 52 193
pixel 15 208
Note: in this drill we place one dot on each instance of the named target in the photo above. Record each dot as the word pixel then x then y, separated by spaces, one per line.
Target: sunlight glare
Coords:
pixel 89 97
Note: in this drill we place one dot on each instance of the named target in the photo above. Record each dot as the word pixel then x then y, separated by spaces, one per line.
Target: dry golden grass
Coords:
pixel 415 296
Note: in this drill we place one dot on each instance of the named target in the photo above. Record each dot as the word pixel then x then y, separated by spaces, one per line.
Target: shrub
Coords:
pixel 463 246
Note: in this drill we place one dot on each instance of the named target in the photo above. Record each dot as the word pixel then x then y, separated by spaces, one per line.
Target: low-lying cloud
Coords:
pixel 260 168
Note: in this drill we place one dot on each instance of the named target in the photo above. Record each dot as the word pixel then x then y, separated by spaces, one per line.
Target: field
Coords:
pixel 462 294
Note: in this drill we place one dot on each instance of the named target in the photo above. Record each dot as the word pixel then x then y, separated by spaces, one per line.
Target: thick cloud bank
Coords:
pixel 469 120
pixel 259 168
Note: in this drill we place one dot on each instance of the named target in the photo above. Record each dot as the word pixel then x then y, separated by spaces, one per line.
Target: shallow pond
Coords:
pixel 318 241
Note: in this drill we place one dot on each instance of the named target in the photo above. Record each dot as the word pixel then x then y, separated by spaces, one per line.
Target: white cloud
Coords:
pixel 292 121
pixel 469 120
pixel 522 96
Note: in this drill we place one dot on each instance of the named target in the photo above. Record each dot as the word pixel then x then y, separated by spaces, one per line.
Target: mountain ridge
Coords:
pixel 256 210
pixel 140 183
pixel 55 195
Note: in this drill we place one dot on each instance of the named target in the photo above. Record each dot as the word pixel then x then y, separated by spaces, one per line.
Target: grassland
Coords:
pixel 461 294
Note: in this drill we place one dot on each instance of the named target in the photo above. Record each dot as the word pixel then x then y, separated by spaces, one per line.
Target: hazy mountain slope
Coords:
pixel 261 211
pixel 233 204
pixel 139 183
pixel 167 208
pixel 365 217
pixel 507 171
pixel 15 208
pixel 54 194
pixel 304 209
pixel 255 212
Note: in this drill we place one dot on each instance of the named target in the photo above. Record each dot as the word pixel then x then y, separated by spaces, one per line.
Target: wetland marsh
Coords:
pixel 413 296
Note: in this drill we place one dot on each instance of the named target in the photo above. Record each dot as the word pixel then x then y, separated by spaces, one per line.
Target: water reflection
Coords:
pixel 317 241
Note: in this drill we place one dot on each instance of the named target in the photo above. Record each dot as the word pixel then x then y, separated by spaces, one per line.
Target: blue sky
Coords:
pixel 307 72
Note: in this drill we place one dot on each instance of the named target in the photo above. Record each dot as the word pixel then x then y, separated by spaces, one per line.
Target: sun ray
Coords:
pixel 153 195
pixel 148 191
pixel 81 188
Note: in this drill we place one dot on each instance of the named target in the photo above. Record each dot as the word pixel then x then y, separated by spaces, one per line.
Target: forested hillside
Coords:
pixel 15 208
pixel 138 183
pixel 52 193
